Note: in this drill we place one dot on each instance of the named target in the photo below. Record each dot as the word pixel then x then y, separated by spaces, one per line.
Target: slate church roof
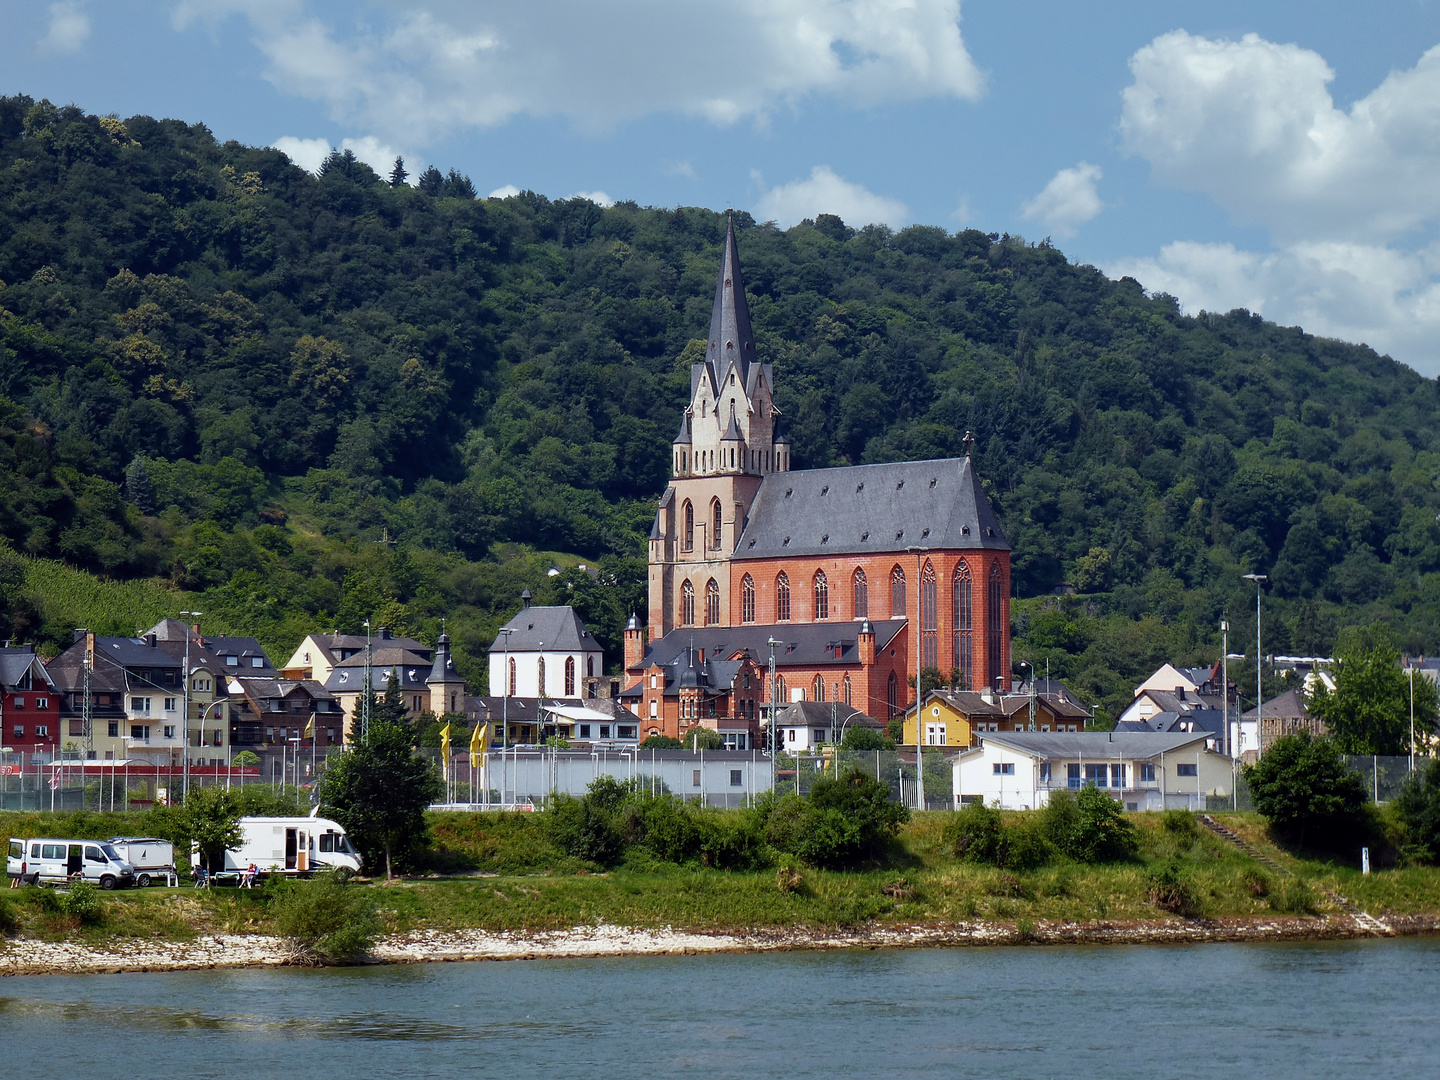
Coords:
pixel 871 509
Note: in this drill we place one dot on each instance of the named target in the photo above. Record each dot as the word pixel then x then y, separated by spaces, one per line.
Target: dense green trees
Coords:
pixel 1304 788
pixel 1370 708
pixel 200 342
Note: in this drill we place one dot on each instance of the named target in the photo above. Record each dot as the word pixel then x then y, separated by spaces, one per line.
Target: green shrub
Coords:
pixel 973 834
pixel 1171 891
pixel 326 921
pixel 862 740
pixel 1292 898
pixel 9 918
pixel 661 742
pixel 582 829
pixel 82 901
pixel 848 821
pixel 1417 807
pixel 732 843
pixel 1180 823
pixel 1307 792
pixel 1256 883
pixel 1089 827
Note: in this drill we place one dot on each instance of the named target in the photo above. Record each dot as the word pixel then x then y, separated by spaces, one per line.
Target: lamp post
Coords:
pixel 185 727
pixel 774 716
pixel 505 691
pixel 1412 714
pixel 365 689
pixel 1259 580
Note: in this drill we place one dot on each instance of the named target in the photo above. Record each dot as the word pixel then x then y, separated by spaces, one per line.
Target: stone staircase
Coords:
pixel 1369 922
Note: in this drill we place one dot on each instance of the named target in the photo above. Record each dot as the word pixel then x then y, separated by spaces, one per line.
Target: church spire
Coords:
pixel 730 341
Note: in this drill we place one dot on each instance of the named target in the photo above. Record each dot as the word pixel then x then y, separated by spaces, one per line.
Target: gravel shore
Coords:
pixel 28 957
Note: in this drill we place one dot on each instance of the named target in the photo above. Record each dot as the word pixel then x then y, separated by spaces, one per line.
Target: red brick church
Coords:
pixel 833 566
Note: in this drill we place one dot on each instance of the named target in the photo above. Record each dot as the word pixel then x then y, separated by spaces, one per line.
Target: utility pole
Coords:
pixel 1259 580
pixel 1412 713
pixel 86 715
pixel 505 692
pixel 1225 683
pixel 919 668
pixel 365 697
pixel 775 719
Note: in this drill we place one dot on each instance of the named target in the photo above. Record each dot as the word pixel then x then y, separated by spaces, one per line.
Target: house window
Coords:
pixel 512 678
pixel 782 598
pixel 19 703
pixel 817 689
pixel 112 729
pixel 963 614
pixel 712 603
pixel 584 731
pixel 934 734
pixel 687 535
pixel 1044 772
pixel 257 661
pixel 737 777
pixel 219 738
pixel 1095 775
pixel 232 661
pixel 1187 770
pixel 18 731
pixel 789 734
pixel 570 676
pixel 782 689
pixel 654 708
pixel 169 731
pixel 1003 768
pixel 687 604
pixel 140 705
pixel 169 704
pixel 862 593
pixel 695 778
pixel 1117 777
pixel 1147 772
pixel 42 731
pixel 1072 775
pixel 139 731
pixel 892 695
pixel 822 596
pixel 747 599
pixel 847 690
pixel 590 667
pixel 929 638
pixel 715 523
pixel 897 593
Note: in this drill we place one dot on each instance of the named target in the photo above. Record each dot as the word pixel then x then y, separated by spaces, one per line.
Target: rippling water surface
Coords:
pixel 1335 1010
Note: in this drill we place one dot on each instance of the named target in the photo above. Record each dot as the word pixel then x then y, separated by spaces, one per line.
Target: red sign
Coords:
pixel 7 770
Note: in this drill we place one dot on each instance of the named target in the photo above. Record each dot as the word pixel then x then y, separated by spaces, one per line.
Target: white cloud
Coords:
pixel 421 70
pixel 504 192
pixel 1067 201
pixel 1252 124
pixel 826 193
pixel 307 153
pixel 69 28
pixel 1348 195
pixel 681 168
pixel 1386 298
pixel 599 198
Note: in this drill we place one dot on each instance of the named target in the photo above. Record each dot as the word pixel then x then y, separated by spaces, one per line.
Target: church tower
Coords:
pixel 727 443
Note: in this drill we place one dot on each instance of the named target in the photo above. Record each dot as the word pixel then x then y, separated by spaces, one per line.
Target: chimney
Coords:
pixel 384 633
pixel 1180 692
pixel 79 636
pixel 150 640
pixel 867 643
pixel 525 598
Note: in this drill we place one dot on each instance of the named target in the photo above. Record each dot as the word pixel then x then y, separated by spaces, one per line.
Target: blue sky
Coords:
pixel 1281 156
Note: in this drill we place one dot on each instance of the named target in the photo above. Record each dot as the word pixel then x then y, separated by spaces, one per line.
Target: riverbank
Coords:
pixel 32 957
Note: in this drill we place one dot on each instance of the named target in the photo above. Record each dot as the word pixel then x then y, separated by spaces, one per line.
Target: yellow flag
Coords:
pixel 445 741
pixel 477 739
pixel 310 729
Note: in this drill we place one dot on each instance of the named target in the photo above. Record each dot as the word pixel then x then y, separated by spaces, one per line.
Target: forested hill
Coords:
pixel 220 370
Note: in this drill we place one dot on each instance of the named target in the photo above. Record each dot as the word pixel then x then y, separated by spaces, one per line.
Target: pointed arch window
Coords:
pixel 782 691
pixel 929 636
pixel 590 667
pixel 892 695
pixel 817 689
pixel 687 534
pixel 715 523
pixel 687 604
pixel 994 625
pixel 540 677
pixel 712 603
pixel 570 676
pixel 747 599
pixel 782 598
pixel 822 595
pixel 963 619
pixel 862 594
pixel 512 677
pixel 848 691
pixel 897 593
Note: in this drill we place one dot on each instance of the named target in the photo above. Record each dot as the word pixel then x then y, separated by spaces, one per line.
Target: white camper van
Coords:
pixel 151 858
pixel 57 861
pixel 298 846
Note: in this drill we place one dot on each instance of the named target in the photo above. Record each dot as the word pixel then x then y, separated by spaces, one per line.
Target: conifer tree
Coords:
pixel 398 175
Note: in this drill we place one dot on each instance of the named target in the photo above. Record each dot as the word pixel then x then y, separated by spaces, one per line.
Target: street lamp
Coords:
pixel 185 727
pixel 1412 714
pixel 1259 580
pixel 505 691
pixel 774 714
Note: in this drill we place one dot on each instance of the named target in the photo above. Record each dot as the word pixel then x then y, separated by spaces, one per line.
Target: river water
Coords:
pixel 1358 1009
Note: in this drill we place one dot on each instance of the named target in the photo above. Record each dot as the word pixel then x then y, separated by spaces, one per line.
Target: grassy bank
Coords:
pixel 503 874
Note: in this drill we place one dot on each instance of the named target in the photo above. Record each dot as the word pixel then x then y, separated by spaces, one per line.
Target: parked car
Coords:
pixel 150 857
pixel 59 860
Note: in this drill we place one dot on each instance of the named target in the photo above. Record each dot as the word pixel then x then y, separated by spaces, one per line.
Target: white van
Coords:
pixel 151 858
pixel 56 861
pixel 297 846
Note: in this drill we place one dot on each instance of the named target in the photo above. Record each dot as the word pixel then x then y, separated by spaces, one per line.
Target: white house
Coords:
pixel 805 725
pixel 543 652
pixel 1144 770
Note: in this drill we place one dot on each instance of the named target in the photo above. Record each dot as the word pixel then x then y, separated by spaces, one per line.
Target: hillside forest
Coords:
pixel 294 402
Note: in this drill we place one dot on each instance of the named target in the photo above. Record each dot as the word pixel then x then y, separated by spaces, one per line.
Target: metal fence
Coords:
pixel 894 768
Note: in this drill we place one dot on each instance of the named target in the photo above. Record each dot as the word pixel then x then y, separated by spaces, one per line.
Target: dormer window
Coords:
pixel 859 488
pixel 899 534
pixel 932 481
pixel 899 485
pixel 825 539
pixel 824 491
pixel 789 492
pixel 864 536
pixel 785 542
pixel 924 533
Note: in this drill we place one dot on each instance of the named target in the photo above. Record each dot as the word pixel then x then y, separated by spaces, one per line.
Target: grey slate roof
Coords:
pixel 1207 720
pixel 865 509
pixel 1094 744
pixel 802 644
pixel 548 629
pixel 1289 704
pixel 349 677
pixel 818 714
pixel 1169 701
pixel 14 662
